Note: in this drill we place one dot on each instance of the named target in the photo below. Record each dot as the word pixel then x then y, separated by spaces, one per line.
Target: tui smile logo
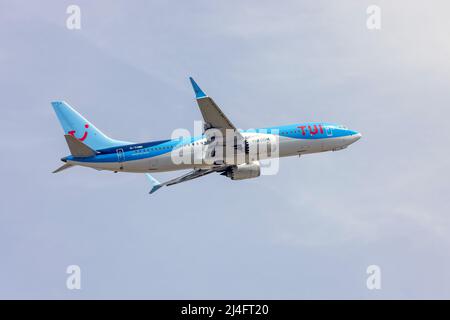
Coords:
pixel 72 133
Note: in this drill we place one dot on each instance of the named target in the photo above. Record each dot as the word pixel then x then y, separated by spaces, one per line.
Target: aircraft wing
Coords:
pixel 196 173
pixel 213 117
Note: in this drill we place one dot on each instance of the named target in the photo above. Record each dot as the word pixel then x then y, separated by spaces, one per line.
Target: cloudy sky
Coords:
pixel 310 231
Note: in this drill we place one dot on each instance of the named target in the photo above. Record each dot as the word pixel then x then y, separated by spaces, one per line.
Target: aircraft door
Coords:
pixel 120 157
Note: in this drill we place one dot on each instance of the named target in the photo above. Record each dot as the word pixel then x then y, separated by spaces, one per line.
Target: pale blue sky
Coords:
pixel 308 232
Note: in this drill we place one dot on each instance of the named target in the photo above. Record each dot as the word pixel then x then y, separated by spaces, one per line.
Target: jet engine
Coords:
pixel 243 171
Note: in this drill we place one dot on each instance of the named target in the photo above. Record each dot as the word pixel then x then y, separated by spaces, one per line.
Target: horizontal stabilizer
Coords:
pixel 63 167
pixel 78 148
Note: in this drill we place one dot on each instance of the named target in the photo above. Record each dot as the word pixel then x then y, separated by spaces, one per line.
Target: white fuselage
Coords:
pixel 270 146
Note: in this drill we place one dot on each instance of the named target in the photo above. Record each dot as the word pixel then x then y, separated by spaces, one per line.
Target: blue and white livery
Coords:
pixel 222 148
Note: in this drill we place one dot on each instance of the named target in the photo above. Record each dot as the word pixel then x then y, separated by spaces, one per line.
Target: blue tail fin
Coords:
pixel 76 125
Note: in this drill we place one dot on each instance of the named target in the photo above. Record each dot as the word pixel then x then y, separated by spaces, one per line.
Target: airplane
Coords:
pixel 237 157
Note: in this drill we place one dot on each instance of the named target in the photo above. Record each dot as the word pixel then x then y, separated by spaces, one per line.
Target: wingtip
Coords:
pixel 155 184
pixel 198 91
pixel 155 188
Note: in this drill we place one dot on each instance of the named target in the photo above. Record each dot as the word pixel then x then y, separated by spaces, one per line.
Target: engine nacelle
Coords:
pixel 244 171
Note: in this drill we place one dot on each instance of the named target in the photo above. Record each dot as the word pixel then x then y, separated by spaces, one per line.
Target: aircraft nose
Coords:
pixel 353 136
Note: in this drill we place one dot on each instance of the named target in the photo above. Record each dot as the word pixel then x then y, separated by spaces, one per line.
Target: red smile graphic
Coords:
pixel 72 133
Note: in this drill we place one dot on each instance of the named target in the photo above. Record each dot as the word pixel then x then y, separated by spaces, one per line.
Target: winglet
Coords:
pixel 154 183
pixel 198 92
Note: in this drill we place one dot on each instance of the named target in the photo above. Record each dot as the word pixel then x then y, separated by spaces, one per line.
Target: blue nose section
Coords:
pixel 355 135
